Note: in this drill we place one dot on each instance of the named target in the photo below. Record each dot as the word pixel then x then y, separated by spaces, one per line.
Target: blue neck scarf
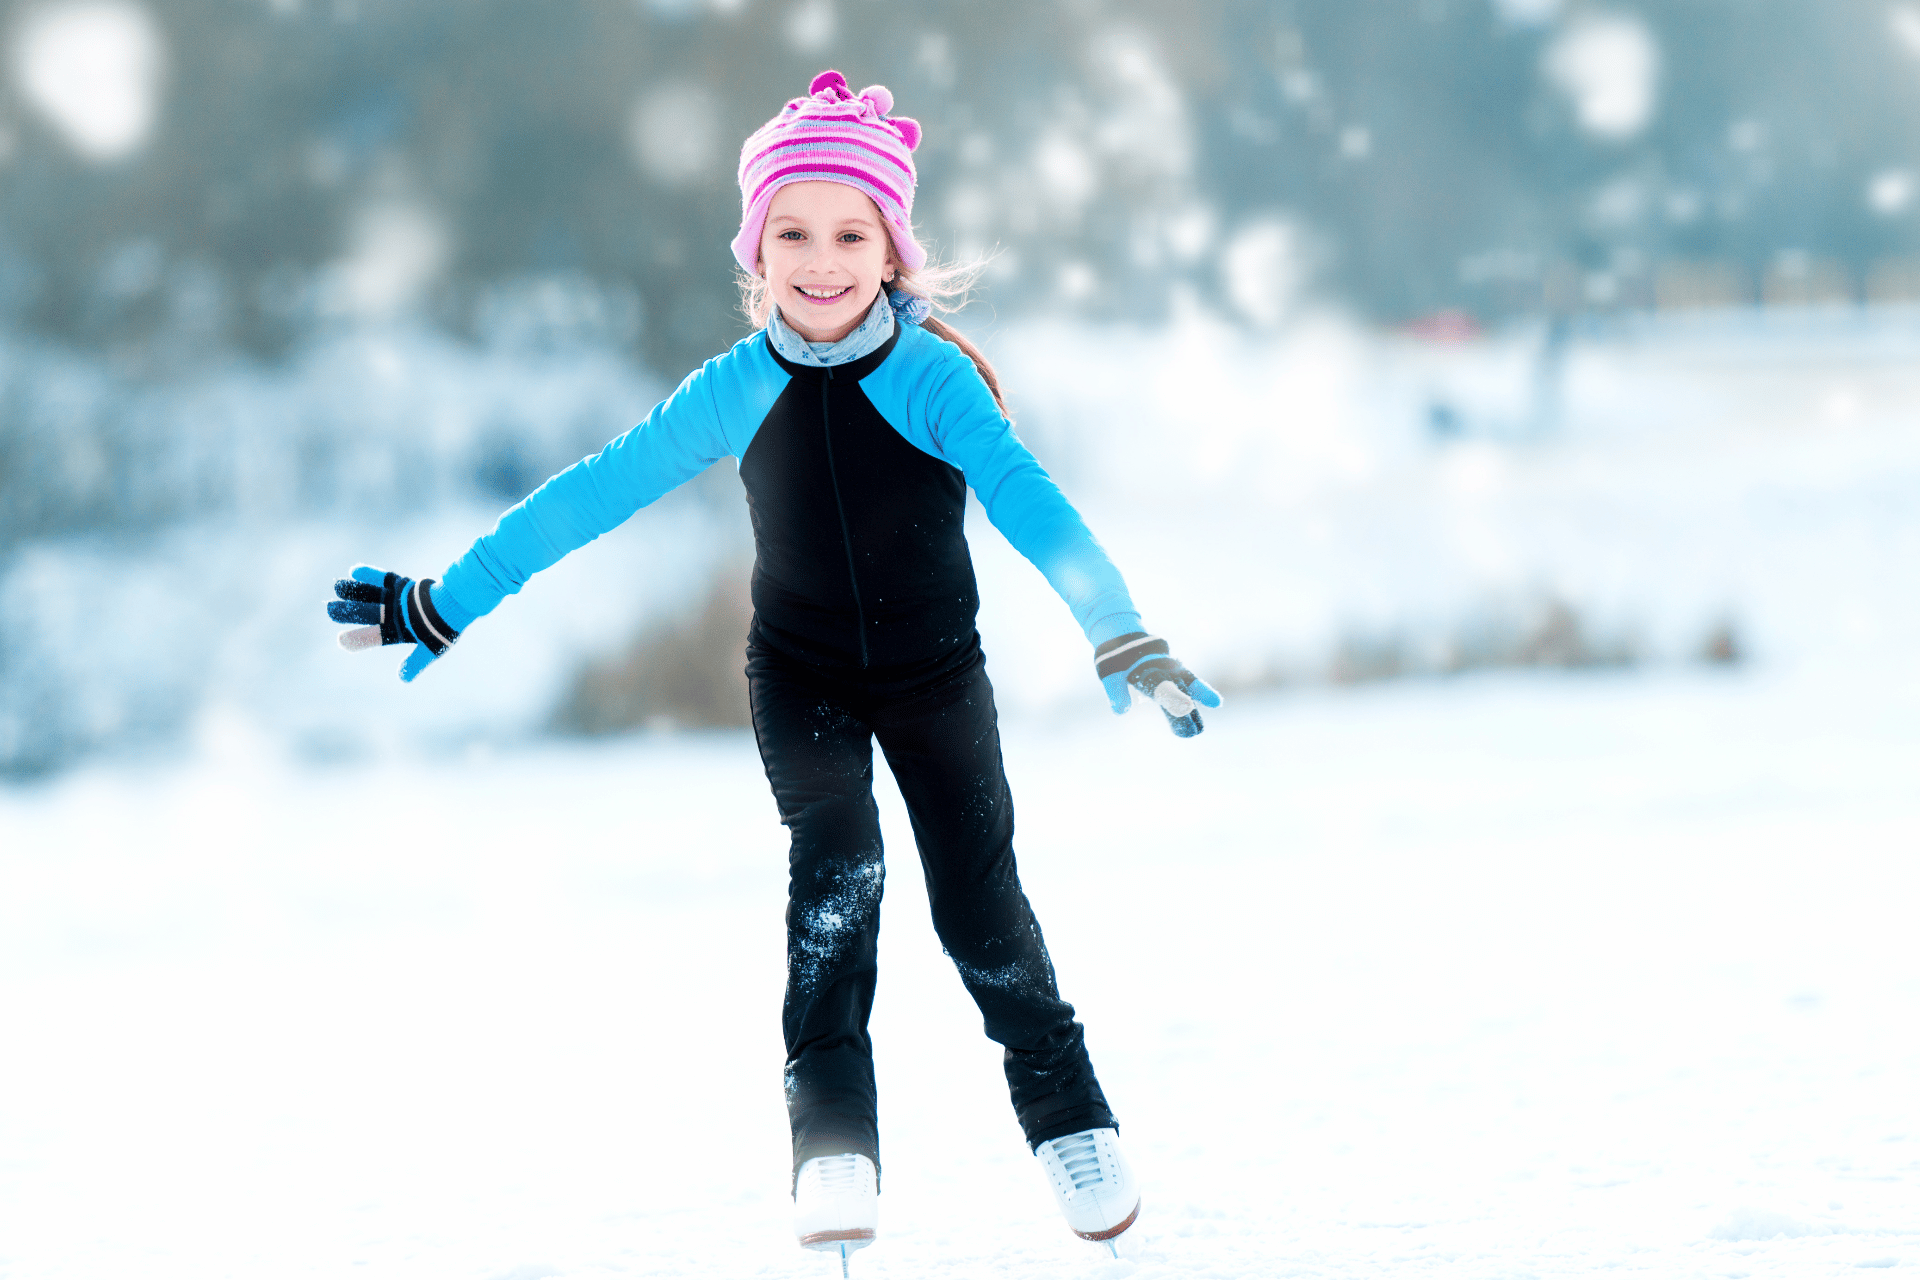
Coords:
pixel 867 337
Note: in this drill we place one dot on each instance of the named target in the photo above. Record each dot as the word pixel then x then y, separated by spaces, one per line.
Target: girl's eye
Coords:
pixel 851 237
pixel 790 234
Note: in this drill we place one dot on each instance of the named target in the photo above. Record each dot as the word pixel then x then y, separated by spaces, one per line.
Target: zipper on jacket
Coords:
pixel 846 537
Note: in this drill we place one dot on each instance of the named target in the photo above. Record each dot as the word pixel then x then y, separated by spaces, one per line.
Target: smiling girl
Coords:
pixel 858 422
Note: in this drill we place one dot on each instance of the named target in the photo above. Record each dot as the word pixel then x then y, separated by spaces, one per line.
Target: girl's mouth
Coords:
pixel 823 296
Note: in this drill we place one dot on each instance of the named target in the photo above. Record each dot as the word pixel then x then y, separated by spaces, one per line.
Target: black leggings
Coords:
pixel 816 730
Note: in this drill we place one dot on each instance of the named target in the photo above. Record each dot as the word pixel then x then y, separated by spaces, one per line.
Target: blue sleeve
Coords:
pixel 939 402
pixel 713 414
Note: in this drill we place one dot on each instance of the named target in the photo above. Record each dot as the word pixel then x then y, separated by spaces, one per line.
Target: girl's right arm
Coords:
pixel 682 437
pixel 685 434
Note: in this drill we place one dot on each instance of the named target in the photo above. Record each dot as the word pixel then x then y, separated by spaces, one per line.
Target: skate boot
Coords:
pixel 1093 1183
pixel 836 1205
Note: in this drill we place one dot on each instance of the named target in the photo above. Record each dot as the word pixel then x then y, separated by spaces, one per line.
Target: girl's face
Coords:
pixel 824 253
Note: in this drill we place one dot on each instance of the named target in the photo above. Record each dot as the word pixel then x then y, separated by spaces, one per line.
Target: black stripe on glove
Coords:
pixel 400 606
pixel 1146 663
pixel 1119 654
pixel 428 627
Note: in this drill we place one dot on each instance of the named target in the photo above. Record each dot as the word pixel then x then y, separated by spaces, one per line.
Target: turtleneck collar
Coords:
pixel 865 338
pixel 869 336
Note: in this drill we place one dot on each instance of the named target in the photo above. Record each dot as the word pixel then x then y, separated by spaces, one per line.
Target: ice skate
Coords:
pixel 1093 1184
pixel 836 1205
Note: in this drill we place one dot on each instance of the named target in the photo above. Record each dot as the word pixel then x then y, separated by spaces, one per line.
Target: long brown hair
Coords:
pixel 907 281
pixel 944 286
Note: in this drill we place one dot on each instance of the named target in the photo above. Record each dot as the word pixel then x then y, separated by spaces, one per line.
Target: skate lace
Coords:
pixel 837 1173
pixel 1080 1157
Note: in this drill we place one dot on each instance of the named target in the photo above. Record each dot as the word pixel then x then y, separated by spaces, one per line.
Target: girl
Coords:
pixel 858 421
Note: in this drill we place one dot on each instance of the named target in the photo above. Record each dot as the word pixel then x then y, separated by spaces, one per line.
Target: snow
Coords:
pixel 1501 975
pixel 1491 975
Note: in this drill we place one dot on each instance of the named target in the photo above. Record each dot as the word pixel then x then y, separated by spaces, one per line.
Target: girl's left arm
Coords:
pixel 1027 507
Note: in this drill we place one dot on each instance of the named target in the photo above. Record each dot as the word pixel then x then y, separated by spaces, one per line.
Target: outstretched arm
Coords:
pixel 680 438
pixel 1025 504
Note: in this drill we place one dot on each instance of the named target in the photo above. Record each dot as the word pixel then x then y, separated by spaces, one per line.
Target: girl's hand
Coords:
pixel 395 610
pixel 1140 661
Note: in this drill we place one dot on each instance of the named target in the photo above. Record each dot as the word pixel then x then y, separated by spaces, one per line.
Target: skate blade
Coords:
pixel 1107 1236
pixel 830 1241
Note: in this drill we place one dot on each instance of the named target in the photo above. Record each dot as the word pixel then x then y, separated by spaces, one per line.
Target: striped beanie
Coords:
pixel 832 135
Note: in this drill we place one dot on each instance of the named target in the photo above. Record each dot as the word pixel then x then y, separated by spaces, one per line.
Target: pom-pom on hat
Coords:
pixel 832 135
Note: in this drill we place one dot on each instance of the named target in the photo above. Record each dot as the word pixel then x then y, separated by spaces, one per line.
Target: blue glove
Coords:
pixel 1140 661
pixel 396 610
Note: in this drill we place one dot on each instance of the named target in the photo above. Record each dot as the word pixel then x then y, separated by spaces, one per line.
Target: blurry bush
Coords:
pixel 1723 646
pixel 687 672
pixel 144 525
pixel 73 676
pixel 391 422
pixel 1545 632
pixel 1549 633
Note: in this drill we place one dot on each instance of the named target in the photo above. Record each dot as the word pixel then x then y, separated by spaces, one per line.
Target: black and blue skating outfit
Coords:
pixel 864 601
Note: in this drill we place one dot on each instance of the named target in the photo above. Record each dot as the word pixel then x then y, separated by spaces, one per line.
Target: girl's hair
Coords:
pixel 943 286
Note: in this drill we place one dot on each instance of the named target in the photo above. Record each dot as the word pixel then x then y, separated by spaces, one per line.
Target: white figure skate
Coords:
pixel 1093 1184
pixel 836 1205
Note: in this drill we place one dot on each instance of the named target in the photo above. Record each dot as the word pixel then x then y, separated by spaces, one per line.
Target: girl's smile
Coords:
pixel 825 254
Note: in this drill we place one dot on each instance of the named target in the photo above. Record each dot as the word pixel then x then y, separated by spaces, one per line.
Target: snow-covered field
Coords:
pixel 1488 977
pixel 1477 976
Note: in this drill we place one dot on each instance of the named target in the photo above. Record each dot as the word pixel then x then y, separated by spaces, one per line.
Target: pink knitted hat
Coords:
pixel 832 136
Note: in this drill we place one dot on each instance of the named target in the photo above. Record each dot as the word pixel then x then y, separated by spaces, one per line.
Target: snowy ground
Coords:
pixel 1502 976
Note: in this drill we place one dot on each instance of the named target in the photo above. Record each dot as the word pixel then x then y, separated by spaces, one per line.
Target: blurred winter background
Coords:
pixel 1379 340
pixel 1513 404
